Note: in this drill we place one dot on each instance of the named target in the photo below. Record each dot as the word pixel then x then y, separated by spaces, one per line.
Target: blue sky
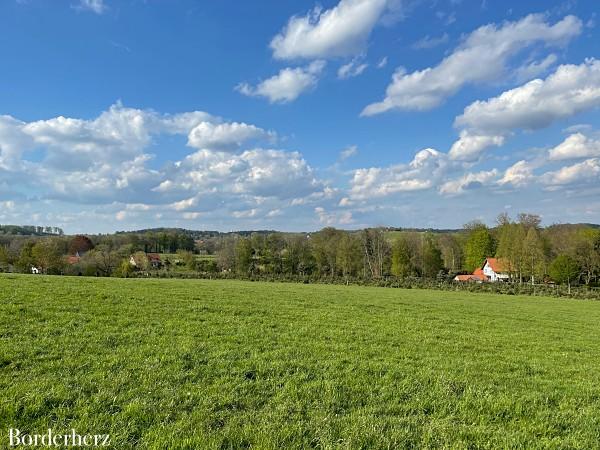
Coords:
pixel 295 115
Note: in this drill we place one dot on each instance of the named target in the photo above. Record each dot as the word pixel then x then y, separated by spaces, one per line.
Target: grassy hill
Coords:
pixel 229 364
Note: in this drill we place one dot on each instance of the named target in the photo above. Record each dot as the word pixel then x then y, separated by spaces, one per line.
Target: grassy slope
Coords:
pixel 204 364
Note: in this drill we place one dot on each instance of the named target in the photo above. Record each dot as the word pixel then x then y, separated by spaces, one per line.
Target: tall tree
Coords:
pixel 244 263
pixel 432 257
pixel 586 251
pixel 376 251
pixel 348 255
pixel 533 254
pixel 402 258
pixel 4 259
pixel 479 245
pixel 564 269
pixel 48 256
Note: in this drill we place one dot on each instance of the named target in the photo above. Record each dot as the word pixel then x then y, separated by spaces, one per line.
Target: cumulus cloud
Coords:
pixel 225 136
pixel 287 85
pixel 485 52
pixel 258 172
pixel 575 146
pixel 419 174
pixel 570 90
pixel 468 181
pixel 107 160
pixel 585 171
pixel 337 32
pixel 469 146
pixel 13 142
pixel 519 174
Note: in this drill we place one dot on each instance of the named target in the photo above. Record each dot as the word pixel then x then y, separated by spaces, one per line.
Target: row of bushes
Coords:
pixel 547 290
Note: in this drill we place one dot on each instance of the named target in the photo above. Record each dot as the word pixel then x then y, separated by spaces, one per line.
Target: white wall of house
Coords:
pixel 493 276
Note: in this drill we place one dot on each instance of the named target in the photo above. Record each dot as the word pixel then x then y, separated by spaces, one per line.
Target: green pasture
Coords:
pixel 199 364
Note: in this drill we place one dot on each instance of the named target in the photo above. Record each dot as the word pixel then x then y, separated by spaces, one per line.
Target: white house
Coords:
pixel 495 269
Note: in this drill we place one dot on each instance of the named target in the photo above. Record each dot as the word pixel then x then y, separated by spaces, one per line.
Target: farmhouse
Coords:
pixel 493 270
pixel 153 259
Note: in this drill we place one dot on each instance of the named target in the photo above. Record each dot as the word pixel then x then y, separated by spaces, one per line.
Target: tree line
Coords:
pixel 563 253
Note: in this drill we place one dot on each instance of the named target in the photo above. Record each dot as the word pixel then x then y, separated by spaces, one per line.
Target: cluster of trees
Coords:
pixel 560 253
pixel 530 253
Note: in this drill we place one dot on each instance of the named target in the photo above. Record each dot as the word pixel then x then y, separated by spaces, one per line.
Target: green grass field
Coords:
pixel 194 364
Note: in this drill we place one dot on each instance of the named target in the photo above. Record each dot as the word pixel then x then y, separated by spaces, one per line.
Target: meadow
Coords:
pixel 195 364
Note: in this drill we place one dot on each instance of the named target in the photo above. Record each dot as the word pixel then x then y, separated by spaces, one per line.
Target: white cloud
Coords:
pixel 482 57
pixel 13 142
pixel 575 146
pixel 468 181
pixel 353 69
pixel 585 171
pixel 106 160
pixel 519 174
pixel 225 136
pixel 333 218
pixel 287 85
pixel 570 90
pixel 421 173
pixel 340 31
pixel 469 146
pixel 95 6
pixel 258 173
pixel 382 62
pixel 535 68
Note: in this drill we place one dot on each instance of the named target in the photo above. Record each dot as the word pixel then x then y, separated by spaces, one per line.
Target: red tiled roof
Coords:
pixel 498 265
pixel 469 277
pixel 479 272
pixel 153 257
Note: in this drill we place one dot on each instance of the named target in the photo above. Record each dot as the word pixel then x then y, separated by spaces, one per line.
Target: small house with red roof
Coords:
pixel 496 269
pixel 492 269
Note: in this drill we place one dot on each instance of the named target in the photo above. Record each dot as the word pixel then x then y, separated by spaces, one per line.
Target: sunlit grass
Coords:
pixel 228 364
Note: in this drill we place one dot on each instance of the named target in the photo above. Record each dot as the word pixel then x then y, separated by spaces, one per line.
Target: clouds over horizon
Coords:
pixel 108 159
pixel 515 84
pixel 485 52
pixel 570 90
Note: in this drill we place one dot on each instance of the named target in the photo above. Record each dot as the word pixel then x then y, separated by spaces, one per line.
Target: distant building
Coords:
pixel 496 269
pixel 154 260
pixel 73 259
pixel 492 270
